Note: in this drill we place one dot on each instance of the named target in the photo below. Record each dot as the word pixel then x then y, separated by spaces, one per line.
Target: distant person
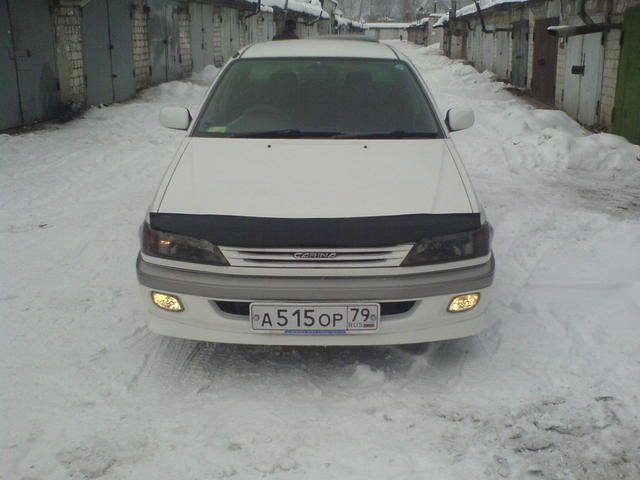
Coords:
pixel 289 31
pixel 400 37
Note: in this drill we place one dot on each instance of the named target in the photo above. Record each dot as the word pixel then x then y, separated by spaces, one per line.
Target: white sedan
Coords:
pixel 317 199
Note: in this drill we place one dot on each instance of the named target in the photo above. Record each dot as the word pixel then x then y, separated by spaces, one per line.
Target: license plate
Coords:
pixel 315 319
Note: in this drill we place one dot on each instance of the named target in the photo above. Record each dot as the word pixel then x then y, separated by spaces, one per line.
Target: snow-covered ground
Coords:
pixel 550 391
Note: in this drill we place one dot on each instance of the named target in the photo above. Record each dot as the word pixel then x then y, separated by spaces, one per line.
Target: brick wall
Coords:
pixel 217 37
pixel 141 58
pixel 532 24
pixel 186 59
pixel 68 32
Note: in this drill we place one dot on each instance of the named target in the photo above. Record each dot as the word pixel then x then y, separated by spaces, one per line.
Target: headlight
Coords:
pixel 178 247
pixel 451 248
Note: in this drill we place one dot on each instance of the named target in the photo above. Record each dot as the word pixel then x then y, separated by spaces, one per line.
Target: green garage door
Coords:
pixel 626 120
pixel 28 75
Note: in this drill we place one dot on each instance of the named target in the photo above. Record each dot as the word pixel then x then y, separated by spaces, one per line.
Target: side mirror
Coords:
pixel 177 118
pixel 459 118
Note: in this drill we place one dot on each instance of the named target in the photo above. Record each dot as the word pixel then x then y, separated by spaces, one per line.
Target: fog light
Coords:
pixel 462 303
pixel 167 302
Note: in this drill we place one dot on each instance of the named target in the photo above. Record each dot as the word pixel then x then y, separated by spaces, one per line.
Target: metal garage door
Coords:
pixel 30 71
pixel 164 46
pixel 230 33
pixel 108 51
pixel 254 29
pixel 520 54
pixel 583 74
pixel 202 47
pixel 268 27
pixel 121 28
pixel 488 49
pixel 475 47
pixel 502 54
pixel 196 36
pixel 626 120
pixel 545 60
pixel 10 114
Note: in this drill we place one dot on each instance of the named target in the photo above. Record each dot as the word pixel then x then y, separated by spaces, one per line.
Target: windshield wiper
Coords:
pixel 286 133
pixel 396 134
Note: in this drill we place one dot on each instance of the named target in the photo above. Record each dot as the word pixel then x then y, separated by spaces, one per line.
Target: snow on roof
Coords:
pixel 342 21
pixel 471 9
pixel 485 5
pixel 383 25
pixel 442 21
pixel 308 7
pixel 420 23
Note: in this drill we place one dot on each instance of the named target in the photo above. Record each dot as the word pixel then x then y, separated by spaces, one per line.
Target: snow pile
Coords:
pixel 206 76
pixel 545 140
pixel 549 391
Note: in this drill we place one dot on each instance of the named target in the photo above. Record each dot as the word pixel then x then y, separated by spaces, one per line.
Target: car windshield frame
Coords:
pixel 292 133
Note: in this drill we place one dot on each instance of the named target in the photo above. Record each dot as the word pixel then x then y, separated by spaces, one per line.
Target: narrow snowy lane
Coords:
pixel 552 390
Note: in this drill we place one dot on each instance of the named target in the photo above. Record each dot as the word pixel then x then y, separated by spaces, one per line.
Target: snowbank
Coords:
pixel 206 76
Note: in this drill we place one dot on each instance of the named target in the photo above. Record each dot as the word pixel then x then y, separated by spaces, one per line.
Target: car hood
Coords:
pixel 315 178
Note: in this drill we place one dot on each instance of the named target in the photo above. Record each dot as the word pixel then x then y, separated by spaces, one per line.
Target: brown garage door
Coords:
pixel 545 59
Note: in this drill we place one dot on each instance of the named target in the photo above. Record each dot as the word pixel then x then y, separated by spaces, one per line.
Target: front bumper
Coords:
pixel 427 320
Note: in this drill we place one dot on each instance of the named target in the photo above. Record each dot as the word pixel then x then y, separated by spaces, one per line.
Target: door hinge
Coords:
pixel 622 38
pixel 613 114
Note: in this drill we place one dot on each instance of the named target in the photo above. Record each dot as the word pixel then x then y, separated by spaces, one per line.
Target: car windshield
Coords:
pixel 318 98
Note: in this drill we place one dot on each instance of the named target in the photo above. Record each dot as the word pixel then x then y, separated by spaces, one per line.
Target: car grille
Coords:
pixel 241 309
pixel 317 257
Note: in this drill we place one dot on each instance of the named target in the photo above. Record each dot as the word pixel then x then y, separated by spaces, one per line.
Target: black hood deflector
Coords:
pixel 259 232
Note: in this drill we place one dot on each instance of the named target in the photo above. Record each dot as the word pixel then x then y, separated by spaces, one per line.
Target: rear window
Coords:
pixel 318 98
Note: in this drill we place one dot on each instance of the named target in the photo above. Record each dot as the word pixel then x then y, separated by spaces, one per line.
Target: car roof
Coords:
pixel 320 48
